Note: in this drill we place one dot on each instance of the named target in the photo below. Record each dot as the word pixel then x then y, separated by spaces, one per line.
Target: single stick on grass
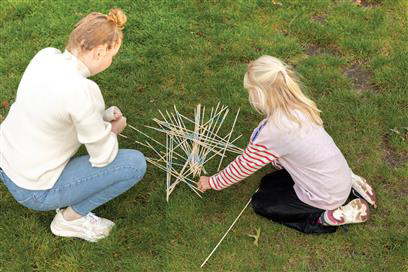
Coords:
pixel 233 223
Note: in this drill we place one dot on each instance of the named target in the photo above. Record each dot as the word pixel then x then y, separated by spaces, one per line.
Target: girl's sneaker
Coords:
pixel 356 211
pixel 364 189
pixel 89 227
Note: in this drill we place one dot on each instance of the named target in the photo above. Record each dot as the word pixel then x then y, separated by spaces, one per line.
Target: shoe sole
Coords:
pixel 372 199
pixel 71 234
pixel 361 219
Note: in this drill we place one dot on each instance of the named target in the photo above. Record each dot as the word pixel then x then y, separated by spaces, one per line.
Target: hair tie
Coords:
pixel 118 17
pixel 113 18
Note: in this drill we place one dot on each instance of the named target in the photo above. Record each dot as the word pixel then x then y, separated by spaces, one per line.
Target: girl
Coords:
pixel 310 191
pixel 56 110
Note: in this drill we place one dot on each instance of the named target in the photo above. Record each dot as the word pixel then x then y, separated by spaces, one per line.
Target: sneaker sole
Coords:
pixel 361 219
pixel 71 234
pixel 372 199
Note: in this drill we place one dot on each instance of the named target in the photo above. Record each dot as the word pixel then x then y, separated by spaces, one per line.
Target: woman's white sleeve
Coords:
pixel 92 131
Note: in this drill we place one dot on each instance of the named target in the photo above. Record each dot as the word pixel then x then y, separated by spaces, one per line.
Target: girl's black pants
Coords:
pixel 276 200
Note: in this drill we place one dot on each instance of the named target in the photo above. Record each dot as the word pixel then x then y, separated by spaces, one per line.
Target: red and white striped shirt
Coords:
pixel 321 175
pixel 254 158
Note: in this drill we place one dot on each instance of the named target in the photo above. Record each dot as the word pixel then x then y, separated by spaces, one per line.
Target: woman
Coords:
pixel 56 110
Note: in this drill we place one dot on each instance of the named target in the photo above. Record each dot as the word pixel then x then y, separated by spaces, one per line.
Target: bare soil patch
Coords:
pixel 360 77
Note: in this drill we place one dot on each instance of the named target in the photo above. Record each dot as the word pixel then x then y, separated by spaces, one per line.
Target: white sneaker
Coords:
pixel 356 211
pixel 89 227
pixel 361 186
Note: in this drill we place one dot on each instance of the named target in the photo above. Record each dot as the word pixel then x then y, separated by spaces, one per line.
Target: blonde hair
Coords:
pixel 97 29
pixel 274 89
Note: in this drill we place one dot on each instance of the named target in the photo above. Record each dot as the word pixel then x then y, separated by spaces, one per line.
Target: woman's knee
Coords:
pixel 137 162
pixel 36 203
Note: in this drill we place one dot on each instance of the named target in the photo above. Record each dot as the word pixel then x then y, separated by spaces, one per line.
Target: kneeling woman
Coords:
pixel 57 109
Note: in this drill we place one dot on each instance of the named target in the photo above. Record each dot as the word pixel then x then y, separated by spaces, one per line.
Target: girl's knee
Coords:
pixel 265 206
pixel 257 205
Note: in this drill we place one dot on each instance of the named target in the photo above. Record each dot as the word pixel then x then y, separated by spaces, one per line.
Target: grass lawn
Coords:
pixel 354 63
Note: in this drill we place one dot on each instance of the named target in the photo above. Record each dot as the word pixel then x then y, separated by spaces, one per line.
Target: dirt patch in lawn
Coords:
pixel 391 156
pixel 320 18
pixel 402 188
pixel 315 50
pixel 367 3
pixel 360 77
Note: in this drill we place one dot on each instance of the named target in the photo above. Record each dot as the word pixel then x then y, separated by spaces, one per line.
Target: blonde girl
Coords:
pixel 314 190
pixel 57 109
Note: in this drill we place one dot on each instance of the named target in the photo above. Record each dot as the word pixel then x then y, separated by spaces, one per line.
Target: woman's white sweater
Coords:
pixel 56 110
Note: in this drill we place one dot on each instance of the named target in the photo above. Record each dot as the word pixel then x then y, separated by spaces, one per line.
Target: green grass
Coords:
pixel 190 52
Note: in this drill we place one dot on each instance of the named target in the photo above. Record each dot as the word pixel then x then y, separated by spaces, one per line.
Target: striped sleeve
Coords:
pixel 254 158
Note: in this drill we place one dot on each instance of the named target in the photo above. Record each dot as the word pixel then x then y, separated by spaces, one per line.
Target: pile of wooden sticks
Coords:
pixel 189 144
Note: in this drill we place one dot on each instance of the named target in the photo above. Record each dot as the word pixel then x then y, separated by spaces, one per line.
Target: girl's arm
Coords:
pixel 254 158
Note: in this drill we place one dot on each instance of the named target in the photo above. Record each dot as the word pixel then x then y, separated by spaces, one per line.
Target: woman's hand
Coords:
pixel 119 124
pixel 204 183
pixel 117 114
pixel 112 114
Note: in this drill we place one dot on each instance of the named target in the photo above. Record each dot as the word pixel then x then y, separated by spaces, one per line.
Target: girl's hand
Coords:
pixel 204 183
pixel 118 125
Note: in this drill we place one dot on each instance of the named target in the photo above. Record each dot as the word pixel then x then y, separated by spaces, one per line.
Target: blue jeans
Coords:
pixel 82 186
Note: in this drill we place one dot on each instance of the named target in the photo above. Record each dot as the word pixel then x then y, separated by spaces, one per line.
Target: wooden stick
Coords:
pixel 233 125
pixel 216 114
pixel 206 133
pixel 215 143
pixel 182 172
pixel 147 136
pixel 168 166
pixel 216 154
pixel 233 223
pixel 174 173
pixel 123 136
pixel 181 124
pixel 199 144
pixel 132 127
pixel 183 144
pixel 186 134
pixel 165 167
pixel 179 178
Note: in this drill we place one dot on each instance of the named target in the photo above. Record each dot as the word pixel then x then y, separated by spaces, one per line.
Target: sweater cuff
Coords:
pixel 109 114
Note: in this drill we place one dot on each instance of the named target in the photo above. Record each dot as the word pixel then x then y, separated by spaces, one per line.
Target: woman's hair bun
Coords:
pixel 118 17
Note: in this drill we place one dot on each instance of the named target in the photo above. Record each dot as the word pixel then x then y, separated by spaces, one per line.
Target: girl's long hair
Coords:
pixel 274 89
